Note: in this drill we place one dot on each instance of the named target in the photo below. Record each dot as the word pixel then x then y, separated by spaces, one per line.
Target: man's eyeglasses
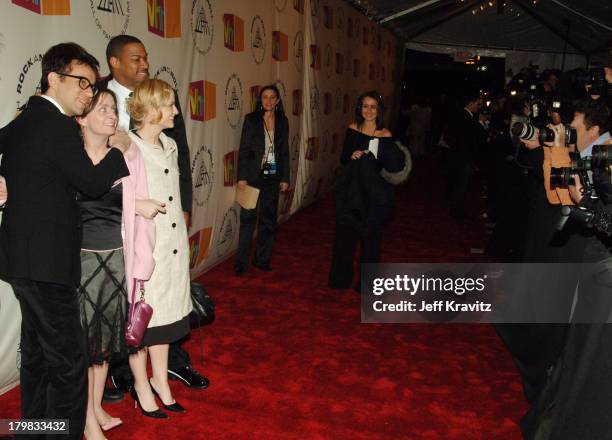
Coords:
pixel 84 83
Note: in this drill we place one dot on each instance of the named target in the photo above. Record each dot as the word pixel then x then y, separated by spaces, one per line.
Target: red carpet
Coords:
pixel 289 359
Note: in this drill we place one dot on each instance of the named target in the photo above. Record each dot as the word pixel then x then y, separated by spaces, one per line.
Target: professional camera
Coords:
pixel 601 157
pixel 599 218
pixel 529 132
pixel 596 79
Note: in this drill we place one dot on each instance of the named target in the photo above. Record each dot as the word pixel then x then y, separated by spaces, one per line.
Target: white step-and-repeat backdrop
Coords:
pixel 217 53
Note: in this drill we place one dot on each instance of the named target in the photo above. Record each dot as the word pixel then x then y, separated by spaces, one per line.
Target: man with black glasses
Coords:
pixel 45 164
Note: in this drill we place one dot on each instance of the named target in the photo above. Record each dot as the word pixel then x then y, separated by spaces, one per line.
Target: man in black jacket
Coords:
pixel 129 66
pixel 44 163
pixel 464 136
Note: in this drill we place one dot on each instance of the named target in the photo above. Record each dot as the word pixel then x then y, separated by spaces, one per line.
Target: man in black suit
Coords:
pixel 45 164
pixel 129 66
pixel 464 136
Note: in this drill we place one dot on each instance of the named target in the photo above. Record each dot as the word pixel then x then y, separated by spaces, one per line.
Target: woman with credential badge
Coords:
pixel 263 163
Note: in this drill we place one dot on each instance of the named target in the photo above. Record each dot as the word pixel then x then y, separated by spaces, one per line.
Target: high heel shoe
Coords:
pixel 156 414
pixel 174 407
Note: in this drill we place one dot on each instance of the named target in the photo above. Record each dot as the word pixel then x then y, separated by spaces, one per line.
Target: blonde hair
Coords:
pixel 151 94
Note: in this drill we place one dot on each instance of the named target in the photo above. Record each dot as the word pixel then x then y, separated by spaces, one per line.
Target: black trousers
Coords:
pixel 266 224
pixel 460 172
pixel 53 359
pixel 345 241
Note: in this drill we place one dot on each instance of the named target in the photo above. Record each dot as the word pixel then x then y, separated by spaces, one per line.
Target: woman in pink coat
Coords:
pixel 117 249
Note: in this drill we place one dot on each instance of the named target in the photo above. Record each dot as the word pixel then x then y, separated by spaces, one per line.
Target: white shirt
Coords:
pixel 122 93
pixel 54 102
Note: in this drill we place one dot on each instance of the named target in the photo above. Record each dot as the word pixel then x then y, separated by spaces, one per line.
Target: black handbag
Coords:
pixel 203 312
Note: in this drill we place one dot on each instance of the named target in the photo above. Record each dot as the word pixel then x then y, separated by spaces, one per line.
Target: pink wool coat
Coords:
pixel 138 232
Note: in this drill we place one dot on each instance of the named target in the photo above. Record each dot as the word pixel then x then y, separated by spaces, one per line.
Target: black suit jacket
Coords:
pixel 180 137
pixel 252 148
pixel 464 135
pixel 45 164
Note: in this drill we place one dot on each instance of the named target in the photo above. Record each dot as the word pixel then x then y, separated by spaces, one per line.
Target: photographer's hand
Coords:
pixel 531 145
pixel 559 131
pixel 575 190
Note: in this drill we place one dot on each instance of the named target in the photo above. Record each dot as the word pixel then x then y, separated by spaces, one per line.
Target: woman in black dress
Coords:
pixel 263 162
pixel 372 163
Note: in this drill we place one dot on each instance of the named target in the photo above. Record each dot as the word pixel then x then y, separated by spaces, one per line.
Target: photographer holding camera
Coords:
pixel 575 402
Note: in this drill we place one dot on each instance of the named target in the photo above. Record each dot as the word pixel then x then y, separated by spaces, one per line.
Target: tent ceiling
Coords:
pixel 523 25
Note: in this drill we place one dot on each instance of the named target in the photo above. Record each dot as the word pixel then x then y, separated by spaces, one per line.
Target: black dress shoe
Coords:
pixel 189 377
pixel 264 267
pixel 112 395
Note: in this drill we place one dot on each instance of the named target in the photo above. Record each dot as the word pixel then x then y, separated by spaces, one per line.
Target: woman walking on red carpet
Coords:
pixel 152 109
pixel 372 162
pixel 263 162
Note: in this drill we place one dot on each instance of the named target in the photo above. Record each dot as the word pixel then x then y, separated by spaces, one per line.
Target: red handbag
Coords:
pixel 138 317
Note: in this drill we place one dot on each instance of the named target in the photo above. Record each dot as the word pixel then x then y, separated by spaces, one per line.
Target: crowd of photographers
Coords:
pixel 545 159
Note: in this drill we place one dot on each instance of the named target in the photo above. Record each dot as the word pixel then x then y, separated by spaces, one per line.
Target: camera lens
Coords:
pixel 601 157
pixel 560 177
pixel 546 135
pixel 571 136
pixel 524 131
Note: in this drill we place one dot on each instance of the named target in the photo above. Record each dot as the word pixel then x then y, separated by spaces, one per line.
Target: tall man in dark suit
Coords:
pixel 129 66
pixel 45 164
pixel 464 136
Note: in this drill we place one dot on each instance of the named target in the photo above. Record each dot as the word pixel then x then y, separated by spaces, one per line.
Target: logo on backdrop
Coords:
pixel 338 100
pixel 315 57
pixel 295 150
pixel 298 5
pixel 327 103
pixel 339 63
pixel 165 73
pixel 199 243
pixel 340 21
pixel 312 150
pixel 230 168
pixel 297 102
pixel 328 61
pixel 258 39
pixel 228 232
pixel 314 101
pixel 328 17
pixel 233 100
pixel 298 51
pixel 164 18
pixel 203 175
pixel 280 5
pixel 202 25
pixel 279 46
pixel 233 32
pixel 28 81
pixel 254 94
pixel 280 85
pixel 326 141
pixel 111 16
pixel 314 12
pixel 202 100
pixel 335 142
pixel 45 7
